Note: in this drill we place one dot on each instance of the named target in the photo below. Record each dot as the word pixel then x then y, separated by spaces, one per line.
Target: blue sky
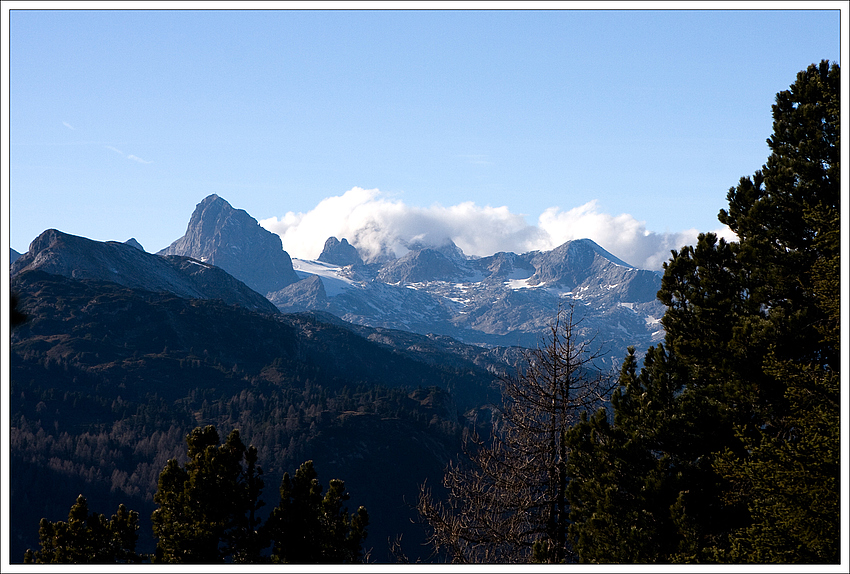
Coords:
pixel 502 130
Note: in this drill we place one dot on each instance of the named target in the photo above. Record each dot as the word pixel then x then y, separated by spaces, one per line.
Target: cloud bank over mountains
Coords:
pixel 378 225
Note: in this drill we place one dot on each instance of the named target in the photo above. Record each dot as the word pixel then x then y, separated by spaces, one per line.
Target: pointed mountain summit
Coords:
pixel 584 266
pixel 573 262
pixel 340 253
pixel 231 239
pixel 133 243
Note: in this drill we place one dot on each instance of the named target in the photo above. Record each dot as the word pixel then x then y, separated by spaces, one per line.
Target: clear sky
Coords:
pixel 503 130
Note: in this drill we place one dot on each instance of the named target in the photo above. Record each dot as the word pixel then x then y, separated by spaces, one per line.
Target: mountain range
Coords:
pixel 503 299
pixel 371 369
pixel 126 264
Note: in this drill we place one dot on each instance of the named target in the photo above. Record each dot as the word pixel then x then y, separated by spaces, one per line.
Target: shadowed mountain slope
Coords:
pixel 76 257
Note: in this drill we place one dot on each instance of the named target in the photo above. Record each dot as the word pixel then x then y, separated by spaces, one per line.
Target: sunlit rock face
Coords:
pixel 340 253
pixel 500 300
pixel 231 239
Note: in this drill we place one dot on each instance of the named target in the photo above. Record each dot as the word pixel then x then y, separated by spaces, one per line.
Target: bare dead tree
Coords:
pixel 507 502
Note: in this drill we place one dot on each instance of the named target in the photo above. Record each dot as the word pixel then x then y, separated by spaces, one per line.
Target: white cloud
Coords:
pixel 138 159
pixel 622 235
pixel 116 150
pixel 69 126
pixel 377 224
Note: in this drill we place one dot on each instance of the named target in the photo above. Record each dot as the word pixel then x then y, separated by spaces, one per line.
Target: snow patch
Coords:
pixel 520 284
pixel 333 279
pixel 199 264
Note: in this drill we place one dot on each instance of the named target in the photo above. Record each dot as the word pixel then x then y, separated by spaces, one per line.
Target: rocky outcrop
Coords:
pixel 504 266
pixel 231 239
pixel 504 299
pixel 133 243
pixel 572 263
pixel 340 253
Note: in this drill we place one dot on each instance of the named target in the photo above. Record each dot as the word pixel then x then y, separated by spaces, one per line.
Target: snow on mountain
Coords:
pixel 499 300
pixel 504 299
pixel 334 277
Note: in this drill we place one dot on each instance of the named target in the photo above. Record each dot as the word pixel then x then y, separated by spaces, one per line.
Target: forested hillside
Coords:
pixel 108 381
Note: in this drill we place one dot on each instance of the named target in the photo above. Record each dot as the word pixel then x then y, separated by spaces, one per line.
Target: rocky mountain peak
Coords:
pixel 590 245
pixel 447 248
pixel 340 253
pixel 420 266
pixel 572 262
pixel 503 266
pixel 133 243
pixel 231 239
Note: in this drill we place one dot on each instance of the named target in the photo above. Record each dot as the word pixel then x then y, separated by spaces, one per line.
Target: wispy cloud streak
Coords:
pixel 130 156
pixel 69 126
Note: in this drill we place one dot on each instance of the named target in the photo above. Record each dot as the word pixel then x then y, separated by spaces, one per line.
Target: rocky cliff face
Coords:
pixel 231 239
pixel 76 257
pixel 340 253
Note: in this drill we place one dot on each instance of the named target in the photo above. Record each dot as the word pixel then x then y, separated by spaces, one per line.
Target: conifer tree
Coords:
pixel 208 514
pixel 87 538
pixel 622 474
pixel 308 528
pixel 745 446
pixel 207 508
